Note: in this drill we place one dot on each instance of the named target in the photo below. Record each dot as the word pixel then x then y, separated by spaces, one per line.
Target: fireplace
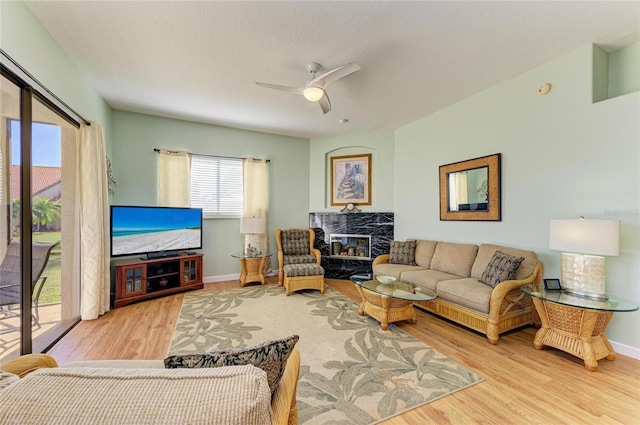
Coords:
pixel 367 234
pixel 355 247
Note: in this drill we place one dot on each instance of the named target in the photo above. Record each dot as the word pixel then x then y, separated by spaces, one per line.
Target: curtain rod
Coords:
pixel 202 154
pixel 42 86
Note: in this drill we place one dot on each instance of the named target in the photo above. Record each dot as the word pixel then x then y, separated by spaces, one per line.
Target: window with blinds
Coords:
pixel 216 186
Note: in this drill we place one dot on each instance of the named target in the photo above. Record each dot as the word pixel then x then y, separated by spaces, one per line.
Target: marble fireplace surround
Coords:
pixel 378 225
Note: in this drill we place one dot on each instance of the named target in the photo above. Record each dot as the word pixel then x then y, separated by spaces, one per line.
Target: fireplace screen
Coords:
pixel 350 246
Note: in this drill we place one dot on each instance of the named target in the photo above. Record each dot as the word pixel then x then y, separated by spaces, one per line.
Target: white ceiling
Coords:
pixel 199 60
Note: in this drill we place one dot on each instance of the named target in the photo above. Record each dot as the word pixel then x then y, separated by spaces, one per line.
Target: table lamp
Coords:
pixel 251 227
pixel 584 244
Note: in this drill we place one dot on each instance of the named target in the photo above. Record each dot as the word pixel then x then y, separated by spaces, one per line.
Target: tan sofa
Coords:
pixel 49 392
pixel 452 271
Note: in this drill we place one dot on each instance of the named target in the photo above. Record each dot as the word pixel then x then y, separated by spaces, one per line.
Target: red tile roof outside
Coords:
pixel 41 178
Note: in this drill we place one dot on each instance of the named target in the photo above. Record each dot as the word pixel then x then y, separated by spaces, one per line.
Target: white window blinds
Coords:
pixel 216 186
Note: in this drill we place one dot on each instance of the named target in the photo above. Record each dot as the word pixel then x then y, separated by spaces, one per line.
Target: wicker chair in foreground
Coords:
pixel 298 261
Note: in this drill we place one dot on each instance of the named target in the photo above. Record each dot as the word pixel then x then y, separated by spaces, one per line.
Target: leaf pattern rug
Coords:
pixel 352 372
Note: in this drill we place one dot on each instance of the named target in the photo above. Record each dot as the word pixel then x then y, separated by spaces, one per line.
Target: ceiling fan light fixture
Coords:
pixel 313 93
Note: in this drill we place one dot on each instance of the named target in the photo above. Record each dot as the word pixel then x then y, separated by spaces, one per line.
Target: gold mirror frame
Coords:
pixel 493 211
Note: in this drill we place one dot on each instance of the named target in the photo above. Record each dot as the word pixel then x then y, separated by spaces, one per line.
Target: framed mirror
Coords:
pixel 470 190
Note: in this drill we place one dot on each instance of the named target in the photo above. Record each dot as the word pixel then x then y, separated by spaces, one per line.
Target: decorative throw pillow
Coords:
pixel 501 267
pixel 270 356
pixel 403 253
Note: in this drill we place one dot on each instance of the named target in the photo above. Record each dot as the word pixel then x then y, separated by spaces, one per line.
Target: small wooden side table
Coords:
pixel 252 266
pixel 575 324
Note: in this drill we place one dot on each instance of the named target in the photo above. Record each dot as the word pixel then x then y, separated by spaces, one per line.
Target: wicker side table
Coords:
pixel 575 325
pixel 252 266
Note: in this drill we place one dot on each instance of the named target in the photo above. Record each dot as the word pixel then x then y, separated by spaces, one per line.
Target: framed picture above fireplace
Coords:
pixel 351 179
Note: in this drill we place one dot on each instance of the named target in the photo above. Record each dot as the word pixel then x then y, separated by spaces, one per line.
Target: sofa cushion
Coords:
pixel 395 270
pixel 403 253
pixel 230 395
pixel 486 251
pixel 454 258
pixel 501 267
pixel 270 356
pixel 426 278
pixel 468 292
pixel 424 252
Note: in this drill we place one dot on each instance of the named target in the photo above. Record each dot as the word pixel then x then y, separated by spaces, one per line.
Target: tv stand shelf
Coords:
pixel 136 279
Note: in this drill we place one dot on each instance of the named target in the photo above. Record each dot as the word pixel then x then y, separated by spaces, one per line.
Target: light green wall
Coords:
pixel 378 144
pixel 24 39
pixel 135 169
pixel 562 157
pixel 624 71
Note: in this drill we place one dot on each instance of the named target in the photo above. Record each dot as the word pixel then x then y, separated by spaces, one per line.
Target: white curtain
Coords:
pixel 93 213
pixel 255 176
pixel 457 190
pixel 174 178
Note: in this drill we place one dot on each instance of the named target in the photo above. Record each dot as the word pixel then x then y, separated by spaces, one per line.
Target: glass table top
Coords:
pixel 565 298
pixel 397 289
pixel 245 255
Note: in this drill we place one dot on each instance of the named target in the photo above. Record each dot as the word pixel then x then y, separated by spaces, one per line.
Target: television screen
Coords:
pixel 149 230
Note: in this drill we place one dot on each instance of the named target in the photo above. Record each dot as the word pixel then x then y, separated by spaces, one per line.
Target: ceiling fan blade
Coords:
pixel 294 90
pixel 325 103
pixel 335 74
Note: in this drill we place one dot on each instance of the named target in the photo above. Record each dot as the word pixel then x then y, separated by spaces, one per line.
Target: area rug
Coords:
pixel 352 372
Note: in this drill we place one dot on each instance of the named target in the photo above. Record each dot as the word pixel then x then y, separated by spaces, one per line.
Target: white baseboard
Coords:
pixel 619 348
pixel 626 350
pixel 225 277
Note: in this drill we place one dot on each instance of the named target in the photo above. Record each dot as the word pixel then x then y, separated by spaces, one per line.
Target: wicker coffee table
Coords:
pixel 575 325
pixel 392 302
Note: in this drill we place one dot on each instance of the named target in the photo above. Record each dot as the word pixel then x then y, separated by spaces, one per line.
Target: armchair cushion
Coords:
pixel 298 259
pixel 7 378
pixel 295 242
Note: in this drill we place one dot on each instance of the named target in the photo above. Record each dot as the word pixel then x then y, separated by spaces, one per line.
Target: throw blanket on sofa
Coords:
pixel 228 395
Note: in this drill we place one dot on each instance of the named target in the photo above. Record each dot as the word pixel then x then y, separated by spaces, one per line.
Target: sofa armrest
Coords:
pixel 498 295
pixel 284 405
pixel 26 364
pixel 499 292
pixel 381 259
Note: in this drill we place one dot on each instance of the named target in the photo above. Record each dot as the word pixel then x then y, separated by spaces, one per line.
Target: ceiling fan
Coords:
pixel 315 89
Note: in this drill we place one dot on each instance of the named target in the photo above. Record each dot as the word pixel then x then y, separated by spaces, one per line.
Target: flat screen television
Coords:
pixel 154 231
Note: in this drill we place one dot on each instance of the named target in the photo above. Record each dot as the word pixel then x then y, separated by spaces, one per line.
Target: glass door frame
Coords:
pixel 27 95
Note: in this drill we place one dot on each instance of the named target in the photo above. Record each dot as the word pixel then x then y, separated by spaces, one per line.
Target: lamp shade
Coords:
pixel 595 237
pixel 253 225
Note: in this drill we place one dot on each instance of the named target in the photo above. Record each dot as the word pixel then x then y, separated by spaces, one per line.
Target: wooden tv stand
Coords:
pixel 135 279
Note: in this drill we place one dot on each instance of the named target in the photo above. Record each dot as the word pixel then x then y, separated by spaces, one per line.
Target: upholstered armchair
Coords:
pixel 295 246
pixel 298 261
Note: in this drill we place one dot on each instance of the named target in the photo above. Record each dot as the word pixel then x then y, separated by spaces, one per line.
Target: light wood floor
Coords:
pixel 522 385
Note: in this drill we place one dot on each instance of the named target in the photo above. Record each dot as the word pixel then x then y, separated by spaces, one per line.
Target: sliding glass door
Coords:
pixel 39 293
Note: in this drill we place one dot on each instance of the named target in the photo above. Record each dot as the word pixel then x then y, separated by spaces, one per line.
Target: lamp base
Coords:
pixel 583 275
